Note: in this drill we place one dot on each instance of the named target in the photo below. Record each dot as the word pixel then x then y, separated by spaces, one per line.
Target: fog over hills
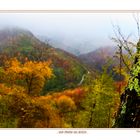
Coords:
pixel 77 33
pixel 76 48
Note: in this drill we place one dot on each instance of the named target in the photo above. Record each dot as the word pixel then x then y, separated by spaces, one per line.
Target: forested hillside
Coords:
pixel 45 87
pixel 99 57
pixel 23 45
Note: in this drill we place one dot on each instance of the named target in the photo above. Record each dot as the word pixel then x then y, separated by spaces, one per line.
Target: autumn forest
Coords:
pixel 42 86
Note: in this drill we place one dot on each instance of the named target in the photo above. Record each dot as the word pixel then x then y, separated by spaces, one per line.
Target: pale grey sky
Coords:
pixel 84 30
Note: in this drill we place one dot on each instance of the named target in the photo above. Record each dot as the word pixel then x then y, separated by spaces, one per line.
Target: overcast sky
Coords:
pixel 92 30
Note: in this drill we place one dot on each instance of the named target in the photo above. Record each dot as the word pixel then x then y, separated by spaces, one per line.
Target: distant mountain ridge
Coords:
pixel 99 57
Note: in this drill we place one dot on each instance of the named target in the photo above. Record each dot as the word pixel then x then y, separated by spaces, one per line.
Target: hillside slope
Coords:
pixel 99 57
pixel 20 43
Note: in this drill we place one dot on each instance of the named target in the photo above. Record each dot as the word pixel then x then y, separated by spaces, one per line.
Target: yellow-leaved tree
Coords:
pixel 31 74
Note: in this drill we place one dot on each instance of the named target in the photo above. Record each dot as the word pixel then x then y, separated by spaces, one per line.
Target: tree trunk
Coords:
pixel 129 112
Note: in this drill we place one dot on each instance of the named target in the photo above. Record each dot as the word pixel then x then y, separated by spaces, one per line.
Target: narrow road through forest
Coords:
pixel 82 79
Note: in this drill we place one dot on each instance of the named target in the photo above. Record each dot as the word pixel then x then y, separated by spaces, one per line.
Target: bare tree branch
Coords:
pixel 136 18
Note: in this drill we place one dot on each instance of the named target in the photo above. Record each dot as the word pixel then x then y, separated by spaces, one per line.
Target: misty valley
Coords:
pixel 44 86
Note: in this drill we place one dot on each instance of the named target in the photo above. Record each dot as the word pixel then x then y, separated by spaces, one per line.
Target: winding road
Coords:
pixel 83 78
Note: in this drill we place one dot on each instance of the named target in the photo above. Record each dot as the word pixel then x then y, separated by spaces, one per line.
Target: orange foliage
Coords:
pixel 32 74
pixel 4 89
pixel 65 104
pixel 52 118
pixel 76 94
pixel 120 86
